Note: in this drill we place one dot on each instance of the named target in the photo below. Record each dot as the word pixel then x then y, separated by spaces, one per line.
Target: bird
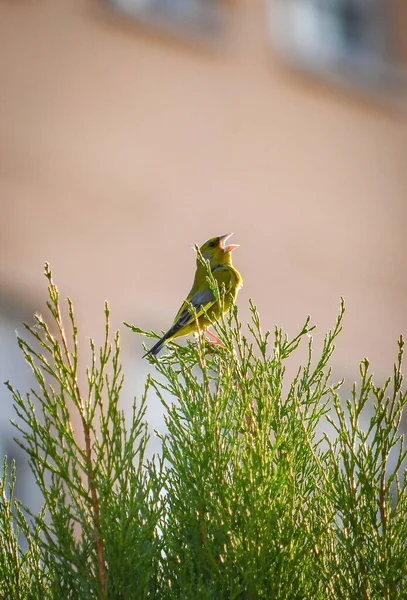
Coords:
pixel 201 297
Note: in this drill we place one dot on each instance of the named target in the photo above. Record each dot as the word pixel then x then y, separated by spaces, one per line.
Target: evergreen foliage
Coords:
pixel 249 499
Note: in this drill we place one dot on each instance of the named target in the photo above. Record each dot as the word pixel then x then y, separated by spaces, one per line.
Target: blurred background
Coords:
pixel 132 129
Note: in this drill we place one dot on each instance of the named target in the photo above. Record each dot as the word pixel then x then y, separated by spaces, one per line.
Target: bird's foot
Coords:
pixel 214 340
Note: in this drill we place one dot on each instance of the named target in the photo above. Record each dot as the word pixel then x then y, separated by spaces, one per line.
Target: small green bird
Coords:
pixel 201 297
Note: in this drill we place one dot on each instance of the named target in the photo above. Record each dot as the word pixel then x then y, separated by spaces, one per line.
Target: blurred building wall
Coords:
pixel 121 147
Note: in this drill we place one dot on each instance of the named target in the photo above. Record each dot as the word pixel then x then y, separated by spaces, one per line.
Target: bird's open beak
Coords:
pixel 222 241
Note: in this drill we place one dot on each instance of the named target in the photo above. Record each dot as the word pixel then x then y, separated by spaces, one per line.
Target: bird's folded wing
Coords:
pixel 203 299
pixel 223 276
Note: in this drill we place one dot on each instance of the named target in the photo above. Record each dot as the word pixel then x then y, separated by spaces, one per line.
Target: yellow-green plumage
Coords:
pixel 201 296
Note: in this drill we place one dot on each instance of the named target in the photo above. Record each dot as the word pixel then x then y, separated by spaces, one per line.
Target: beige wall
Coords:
pixel 121 148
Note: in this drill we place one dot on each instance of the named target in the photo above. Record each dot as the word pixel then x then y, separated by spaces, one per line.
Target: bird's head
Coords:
pixel 217 252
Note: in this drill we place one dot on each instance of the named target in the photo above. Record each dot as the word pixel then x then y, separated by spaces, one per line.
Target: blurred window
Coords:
pixel 193 18
pixel 350 41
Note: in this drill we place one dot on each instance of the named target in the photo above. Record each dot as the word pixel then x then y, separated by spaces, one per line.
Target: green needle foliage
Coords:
pixel 97 535
pixel 249 497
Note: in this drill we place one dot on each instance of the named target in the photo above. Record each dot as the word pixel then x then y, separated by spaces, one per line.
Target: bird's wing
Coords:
pixel 223 276
pixel 202 299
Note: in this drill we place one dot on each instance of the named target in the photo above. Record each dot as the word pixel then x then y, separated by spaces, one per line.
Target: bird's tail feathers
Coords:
pixel 157 347
pixel 167 337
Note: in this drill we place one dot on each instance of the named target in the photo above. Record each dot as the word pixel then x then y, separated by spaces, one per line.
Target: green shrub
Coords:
pixel 248 499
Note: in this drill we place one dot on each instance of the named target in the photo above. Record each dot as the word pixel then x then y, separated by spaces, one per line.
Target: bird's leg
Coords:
pixel 214 338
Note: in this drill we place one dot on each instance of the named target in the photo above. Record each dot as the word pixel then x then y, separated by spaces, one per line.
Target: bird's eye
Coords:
pixel 212 245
